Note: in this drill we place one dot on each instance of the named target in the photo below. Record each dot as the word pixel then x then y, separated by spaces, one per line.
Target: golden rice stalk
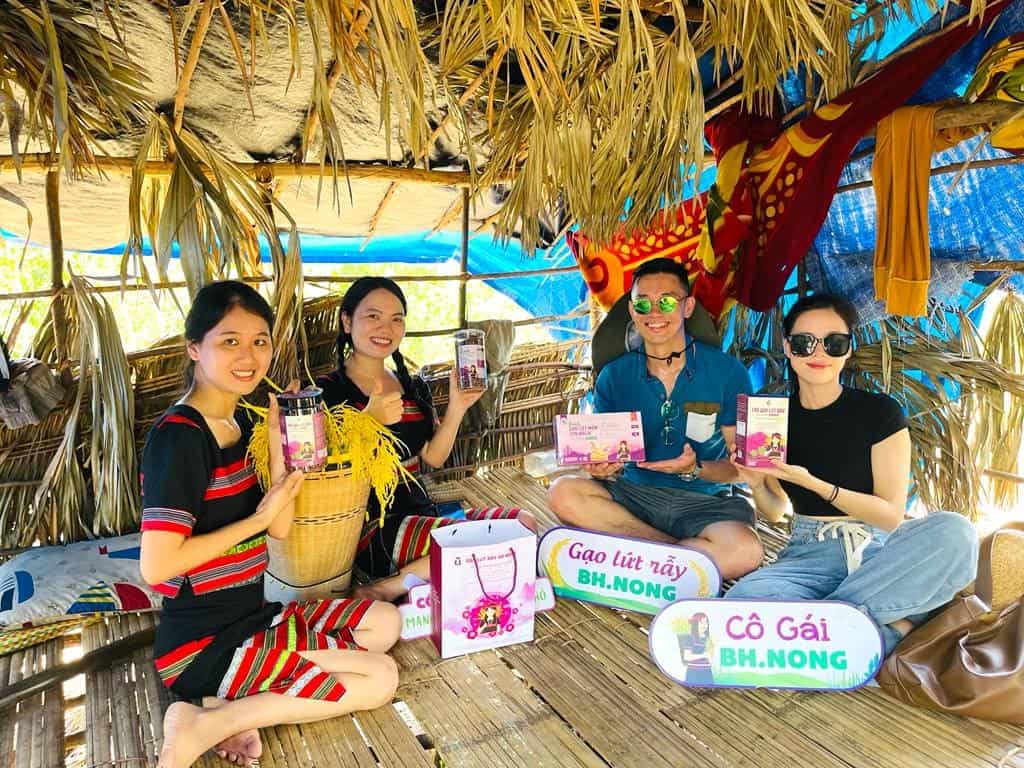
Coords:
pixel 354 438
pixel 79 80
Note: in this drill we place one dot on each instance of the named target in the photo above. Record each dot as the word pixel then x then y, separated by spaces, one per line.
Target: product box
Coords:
pixel 599 438
pixel 762 424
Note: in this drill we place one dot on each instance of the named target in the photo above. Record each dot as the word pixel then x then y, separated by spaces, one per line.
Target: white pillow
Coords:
pixel 48 584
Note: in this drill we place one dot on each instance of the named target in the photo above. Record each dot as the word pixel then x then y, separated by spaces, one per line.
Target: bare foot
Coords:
pixel 902 626
pixel 243 748
pixel 180 724
pixel 527 519
pixel 388 590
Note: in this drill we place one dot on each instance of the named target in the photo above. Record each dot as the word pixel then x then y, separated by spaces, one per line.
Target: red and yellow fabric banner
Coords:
pixel 741 240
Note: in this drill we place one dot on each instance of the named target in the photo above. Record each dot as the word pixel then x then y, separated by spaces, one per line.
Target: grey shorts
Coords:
pixel 679 513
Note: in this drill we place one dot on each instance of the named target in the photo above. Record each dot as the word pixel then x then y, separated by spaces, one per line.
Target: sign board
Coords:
pixel 416 621
pixel 808 645
pixel 622 572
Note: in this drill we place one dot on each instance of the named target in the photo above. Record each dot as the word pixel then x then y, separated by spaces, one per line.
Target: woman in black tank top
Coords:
pixel 846 480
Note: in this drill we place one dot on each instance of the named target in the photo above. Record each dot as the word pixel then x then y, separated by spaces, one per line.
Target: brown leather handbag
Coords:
pixel 969 659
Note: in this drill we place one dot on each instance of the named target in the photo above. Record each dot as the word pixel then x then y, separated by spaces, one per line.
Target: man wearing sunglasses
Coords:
pixel 686 393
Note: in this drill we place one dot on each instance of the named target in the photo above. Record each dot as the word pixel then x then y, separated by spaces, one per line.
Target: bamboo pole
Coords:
pixel 325 279
pixel 60 322
pixel 449 215
pixel 464 258
pixel 944 169
pixel 354 170
pixel 516 324
pixel 1000 475
pixel 173 349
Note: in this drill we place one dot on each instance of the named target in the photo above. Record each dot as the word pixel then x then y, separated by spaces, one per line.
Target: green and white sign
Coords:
pixel 623 572
pixel 809 645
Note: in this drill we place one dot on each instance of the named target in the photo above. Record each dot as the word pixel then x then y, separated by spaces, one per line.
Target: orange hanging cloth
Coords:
pixel 904 143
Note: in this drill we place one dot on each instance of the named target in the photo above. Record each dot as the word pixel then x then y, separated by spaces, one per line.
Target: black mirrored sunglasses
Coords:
pixel 834 344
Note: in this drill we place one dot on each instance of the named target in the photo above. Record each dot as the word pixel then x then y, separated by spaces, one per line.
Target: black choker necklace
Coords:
pixel 667 359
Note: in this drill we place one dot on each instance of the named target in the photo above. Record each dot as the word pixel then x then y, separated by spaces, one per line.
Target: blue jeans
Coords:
pixel 903 575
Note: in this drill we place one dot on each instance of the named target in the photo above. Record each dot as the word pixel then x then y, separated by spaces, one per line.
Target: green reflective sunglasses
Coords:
pixel 666 305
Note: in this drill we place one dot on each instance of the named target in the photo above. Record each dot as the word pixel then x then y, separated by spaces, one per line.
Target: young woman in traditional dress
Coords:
pixel 204 528
pixel 846 479
pixel 372 328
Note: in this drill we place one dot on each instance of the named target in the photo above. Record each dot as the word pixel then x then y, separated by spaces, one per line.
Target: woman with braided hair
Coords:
pixel 372 328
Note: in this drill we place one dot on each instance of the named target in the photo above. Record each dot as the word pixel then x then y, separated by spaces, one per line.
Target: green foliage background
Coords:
pixel 432 305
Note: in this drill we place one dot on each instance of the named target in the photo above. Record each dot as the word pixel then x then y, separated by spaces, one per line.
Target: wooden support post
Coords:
pixel 60 320
pixel 464 258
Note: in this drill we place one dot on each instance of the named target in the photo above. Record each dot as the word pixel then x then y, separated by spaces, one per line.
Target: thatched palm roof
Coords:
pixel 582 105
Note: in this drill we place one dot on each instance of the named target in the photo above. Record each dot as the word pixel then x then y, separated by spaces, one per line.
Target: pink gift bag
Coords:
pixel 483 577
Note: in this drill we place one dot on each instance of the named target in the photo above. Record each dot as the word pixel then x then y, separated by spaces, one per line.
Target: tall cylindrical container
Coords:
pixel 470 361
pixel 303 431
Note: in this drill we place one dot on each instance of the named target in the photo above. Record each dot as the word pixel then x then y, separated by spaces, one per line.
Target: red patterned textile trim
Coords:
pixel 270 661
pixel 173 663
pixel 413 540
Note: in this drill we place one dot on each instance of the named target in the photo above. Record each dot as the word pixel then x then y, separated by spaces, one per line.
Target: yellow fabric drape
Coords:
pixel 904 143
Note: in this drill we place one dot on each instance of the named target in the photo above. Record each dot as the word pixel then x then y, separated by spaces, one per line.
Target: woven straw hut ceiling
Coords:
pixel 590 108
pixel 94 209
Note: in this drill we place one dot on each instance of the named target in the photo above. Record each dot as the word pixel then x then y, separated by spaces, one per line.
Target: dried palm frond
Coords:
pixel 104 380
pixel 999 420
pixel 215 212
pixel 112 463
pixel 571 130
pixel 212 209
pixel 373 42
pixel 79 82
pixel 940 374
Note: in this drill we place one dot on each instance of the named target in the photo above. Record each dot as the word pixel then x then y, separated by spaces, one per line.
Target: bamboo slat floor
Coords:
pixel 584 693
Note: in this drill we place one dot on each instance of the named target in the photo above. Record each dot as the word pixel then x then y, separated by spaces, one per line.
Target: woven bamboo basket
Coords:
pixel 321 546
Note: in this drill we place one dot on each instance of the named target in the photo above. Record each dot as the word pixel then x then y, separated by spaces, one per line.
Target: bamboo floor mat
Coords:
pixel 584 693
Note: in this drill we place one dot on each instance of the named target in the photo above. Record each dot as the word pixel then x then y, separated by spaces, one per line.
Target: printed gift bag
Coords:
pixel 482 575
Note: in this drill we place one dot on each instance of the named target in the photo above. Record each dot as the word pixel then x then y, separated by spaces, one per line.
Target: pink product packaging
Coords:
pixel 762 423
pixel 599 438
pixel 482 585
pixel 303 431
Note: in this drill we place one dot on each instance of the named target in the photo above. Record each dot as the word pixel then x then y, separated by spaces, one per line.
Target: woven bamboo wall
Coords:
pixel 544 380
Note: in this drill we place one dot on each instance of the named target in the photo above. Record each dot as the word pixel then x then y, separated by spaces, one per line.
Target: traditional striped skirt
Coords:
pixel 413 539
pixel 270 661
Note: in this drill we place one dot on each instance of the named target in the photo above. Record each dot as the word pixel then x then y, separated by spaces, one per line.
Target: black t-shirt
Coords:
pixel 191 486
pixel 834 444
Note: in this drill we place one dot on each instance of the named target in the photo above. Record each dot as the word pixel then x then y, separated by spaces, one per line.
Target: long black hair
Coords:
pixel 215 300
pixel 353 297
pixel 841 306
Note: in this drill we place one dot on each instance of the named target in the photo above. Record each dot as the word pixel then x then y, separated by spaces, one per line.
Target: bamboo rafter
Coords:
pixel 37 162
